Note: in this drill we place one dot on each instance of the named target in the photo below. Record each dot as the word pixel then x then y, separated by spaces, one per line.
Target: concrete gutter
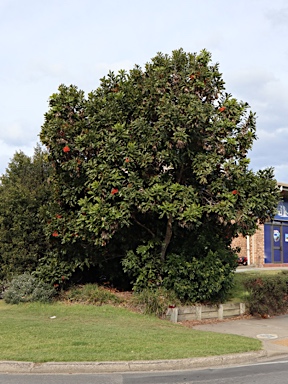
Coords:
pixel 130 366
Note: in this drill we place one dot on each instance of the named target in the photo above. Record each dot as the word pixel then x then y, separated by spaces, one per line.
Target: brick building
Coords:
pixel 269 245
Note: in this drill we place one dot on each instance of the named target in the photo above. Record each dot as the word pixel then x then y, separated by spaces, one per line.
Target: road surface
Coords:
pixel 275 372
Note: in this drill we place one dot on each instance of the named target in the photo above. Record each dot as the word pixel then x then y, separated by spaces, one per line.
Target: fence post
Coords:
pixel 220 311
pixel 198 312
pixel 174 315
pixel 242 308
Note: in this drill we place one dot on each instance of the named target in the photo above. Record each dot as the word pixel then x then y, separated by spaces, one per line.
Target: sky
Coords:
pixel 51 42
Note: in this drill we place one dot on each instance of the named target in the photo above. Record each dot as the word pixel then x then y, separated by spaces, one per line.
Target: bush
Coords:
pixel 27 288
pixel 207 279
pixel 267 294
pixel 144 266
pixel 155 301
pixel 90 294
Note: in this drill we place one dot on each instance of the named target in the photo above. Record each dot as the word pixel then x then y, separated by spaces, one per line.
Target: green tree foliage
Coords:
pixel 24 192
pixel 153 164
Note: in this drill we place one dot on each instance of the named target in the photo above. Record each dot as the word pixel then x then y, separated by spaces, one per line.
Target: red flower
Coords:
pixel 55 234
pixel 58 216
pixel 127 160
pixel 222 109
pixel 234 192
pixel 114 190
pixel 66 149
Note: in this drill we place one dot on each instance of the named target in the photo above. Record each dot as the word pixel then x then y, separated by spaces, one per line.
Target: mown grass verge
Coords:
pixel 103 333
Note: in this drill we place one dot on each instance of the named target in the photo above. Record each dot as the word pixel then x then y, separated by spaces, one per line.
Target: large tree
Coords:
pixel 24 193
pixel 152 167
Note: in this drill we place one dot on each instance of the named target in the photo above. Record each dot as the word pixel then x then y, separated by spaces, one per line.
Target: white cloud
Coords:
pixel 278 17
pixel 281 172
pixel 7 152
pixel 16 134
pixel 251 80
pixel 38 70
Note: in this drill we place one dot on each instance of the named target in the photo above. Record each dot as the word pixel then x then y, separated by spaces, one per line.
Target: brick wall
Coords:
pixel 256 246
pixel 242 244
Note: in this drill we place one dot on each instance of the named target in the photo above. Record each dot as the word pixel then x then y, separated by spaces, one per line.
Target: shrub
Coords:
pixel 155 301
pixel 90 294
pixel 55 269
pixel 27 288
pixel 267 294
pixel 144 266
pixel 207 279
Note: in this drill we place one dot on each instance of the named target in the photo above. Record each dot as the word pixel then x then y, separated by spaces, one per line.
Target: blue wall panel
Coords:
pixel 267 243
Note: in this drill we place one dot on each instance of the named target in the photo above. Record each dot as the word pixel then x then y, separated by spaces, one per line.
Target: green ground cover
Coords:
pixel 103 333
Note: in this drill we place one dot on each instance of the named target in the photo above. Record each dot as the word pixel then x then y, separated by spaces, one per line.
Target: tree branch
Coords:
pixel 143 226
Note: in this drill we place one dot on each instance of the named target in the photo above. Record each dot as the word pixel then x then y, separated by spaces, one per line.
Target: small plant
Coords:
pixel 27 288
pixel 155 301
pixel 90 294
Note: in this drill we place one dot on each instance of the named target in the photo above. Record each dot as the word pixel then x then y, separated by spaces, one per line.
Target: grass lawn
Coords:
pixel 103 333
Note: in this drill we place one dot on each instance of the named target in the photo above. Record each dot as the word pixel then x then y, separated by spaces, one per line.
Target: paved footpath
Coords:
pixel 272 331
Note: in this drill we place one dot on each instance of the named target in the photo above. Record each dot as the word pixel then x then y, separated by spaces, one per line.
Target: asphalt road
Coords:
pixel 275 372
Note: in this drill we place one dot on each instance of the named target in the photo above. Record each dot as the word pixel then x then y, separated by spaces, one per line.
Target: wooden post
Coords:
pixel 242 308
pixel 220 311
pixel 198 312
pixel 174 315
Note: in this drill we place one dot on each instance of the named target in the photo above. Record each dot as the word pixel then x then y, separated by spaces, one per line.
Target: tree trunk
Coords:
pixel 167 238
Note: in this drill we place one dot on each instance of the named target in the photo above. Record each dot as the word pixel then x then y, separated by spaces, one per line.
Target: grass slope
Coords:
pixel 103 333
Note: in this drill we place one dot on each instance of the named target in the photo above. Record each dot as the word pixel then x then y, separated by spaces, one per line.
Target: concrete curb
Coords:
pixel 130 366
